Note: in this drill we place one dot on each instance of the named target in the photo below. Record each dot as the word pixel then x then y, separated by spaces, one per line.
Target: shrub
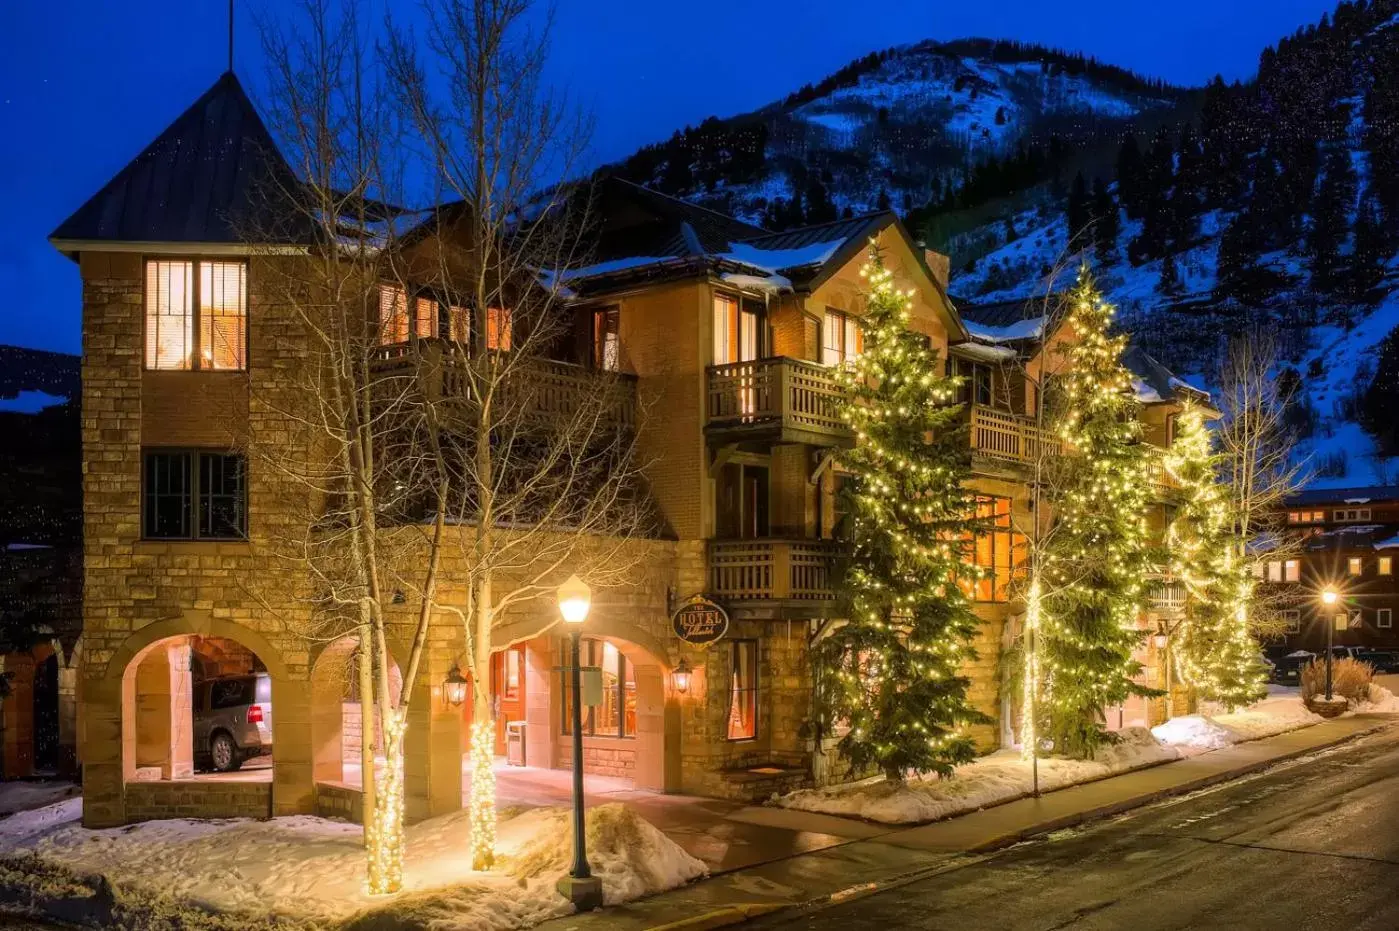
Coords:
pixel 1350 679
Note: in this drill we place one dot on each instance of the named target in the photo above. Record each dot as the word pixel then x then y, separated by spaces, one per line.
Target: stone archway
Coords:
pixel 114 747
pixel 336 728
pixel 652 755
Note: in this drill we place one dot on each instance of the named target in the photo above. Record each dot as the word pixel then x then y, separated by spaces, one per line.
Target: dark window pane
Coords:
pixel 221 508
pixel 230 693
pixel 167 491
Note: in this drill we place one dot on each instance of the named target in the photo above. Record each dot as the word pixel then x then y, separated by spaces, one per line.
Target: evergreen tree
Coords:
pixel 1169 285
pixel 1095 560
pixel 1374 244
pixel 1187 194
pixel 883 202
pixel 1330 212
pixel 1106 223
pixel 1214 649
pixel 894 672
pixel 1078 214
pixel 1158 174
pixel 1381 398
pixel 1129 177
pixel 819 207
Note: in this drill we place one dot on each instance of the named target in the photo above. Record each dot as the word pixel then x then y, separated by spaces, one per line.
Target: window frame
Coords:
pixel 196 312
pixel 1292 570
pixel 1350 515
pixel 753 690
pixel 1384 618
pixel 194 457
pixel 589 657
pixel 1384 565
pixel 1355 565
pixel 1292 617
pixel 607 322
pixel 1003 541
pixel 849 326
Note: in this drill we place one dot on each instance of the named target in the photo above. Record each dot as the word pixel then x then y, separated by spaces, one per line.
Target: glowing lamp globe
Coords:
pixel 454 686
pixel 575 598
pixel 1329 596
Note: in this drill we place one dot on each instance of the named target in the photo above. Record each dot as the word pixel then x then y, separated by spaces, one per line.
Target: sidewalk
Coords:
pixel 875 855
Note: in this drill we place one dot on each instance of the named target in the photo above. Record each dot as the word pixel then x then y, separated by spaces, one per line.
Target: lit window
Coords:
pixel 998 552
pixel 1291 571
pixel 1353 565
pixel 425 318
pixel 616 716
pixel 1293 517
pixel 1274 570
pixel 499 322
pixel 606 349
pixel 739 330
pixel 743 690
pixel 1292 621
pixel 458 323
pixel 1384 617
pixel 203 328
pixel 1385 565
pixel 393 315
pixel 842 340
pixel 223 315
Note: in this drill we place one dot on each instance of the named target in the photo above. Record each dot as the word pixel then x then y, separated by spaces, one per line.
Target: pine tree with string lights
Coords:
pixel 1095 563
pixel 893 673
pixel 1213 648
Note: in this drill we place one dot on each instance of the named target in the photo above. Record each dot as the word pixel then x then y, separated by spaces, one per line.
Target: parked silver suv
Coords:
pixel 232 720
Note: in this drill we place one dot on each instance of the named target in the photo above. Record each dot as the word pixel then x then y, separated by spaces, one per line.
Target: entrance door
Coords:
pixel 507 691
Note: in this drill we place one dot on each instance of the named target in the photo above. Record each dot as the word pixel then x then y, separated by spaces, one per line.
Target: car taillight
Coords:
pixel 254 714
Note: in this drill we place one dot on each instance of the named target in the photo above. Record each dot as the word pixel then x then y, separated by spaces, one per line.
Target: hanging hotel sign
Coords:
pixel 700 621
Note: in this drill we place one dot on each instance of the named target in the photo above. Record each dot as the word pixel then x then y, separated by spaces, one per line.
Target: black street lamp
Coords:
pixel 1328 598
pixel 580 886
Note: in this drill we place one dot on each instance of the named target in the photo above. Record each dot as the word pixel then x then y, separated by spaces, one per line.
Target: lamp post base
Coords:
pixel 585 894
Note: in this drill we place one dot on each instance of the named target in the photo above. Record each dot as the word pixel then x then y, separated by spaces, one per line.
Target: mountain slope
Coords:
pixel 896 126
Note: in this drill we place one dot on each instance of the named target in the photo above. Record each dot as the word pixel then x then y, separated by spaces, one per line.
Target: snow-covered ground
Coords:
pixel 304 872
pixel 1004 776
pixel 22 795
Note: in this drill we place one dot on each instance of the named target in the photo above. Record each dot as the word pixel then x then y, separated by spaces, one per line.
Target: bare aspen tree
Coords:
pixel 539 455
pixel 353 476
pixel 1260 468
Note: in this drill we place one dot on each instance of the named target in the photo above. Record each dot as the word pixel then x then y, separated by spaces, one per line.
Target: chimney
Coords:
pixel 940 265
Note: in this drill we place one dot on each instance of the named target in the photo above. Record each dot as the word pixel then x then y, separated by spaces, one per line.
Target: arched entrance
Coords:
pixel 337 732
pixel 139 737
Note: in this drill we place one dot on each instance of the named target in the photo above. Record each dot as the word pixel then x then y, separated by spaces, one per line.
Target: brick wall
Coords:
pixel 153 801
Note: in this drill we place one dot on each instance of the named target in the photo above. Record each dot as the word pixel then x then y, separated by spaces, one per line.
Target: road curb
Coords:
pixel 982 851
pixel 1184 788
pixel 722 917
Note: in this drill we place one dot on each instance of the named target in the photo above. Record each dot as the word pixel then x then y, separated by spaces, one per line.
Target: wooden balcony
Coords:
pixel 1165 595
pixel 1009 438
pixel 554 392
pixel 792 578
pixel 775 400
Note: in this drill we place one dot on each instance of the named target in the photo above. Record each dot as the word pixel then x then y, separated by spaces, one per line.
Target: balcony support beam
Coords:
pixel 722 457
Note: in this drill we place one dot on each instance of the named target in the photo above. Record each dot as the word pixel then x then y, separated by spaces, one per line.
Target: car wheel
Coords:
pixel 223 753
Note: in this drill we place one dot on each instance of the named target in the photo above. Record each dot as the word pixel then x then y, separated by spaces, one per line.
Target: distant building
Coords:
pixel 1349 539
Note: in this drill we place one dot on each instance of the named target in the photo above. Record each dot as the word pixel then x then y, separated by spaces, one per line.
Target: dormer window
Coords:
pixel 196 315
pixel 841 339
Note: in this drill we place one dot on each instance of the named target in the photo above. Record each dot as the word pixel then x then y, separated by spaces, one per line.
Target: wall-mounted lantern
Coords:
pixel 454 686
pixel 681 677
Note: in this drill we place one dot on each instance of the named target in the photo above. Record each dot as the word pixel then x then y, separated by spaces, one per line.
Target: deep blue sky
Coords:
pixel 85 84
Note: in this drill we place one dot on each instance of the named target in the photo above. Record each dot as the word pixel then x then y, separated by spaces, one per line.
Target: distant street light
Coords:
pixel 1329 598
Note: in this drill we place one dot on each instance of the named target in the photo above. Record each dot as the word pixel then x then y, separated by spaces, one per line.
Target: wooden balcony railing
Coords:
pixel 781 399
pixel 1009 437
pixel 771 570
pixel 1165 594
pixel 550 390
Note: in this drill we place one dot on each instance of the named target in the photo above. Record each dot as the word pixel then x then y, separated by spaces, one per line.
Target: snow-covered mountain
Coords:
pixel 893 127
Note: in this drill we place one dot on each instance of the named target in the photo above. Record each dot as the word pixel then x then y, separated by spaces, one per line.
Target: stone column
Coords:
pixel 293 757
pixel 151 734
pixel 650 772
pixel 67 719
pixel 543 704
pixel 432 766
pixel 181 755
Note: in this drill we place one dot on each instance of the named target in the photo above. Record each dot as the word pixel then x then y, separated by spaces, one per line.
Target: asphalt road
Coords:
pixel 1313 844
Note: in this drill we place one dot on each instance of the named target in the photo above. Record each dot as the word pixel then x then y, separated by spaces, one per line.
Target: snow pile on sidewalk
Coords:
pixel 991 780
pixel 1380 700
pixel 1198 733
pixel 305 871
pixel 24 795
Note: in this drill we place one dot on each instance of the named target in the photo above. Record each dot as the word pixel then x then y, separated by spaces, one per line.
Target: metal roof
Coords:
pixel 1364 494
pixel 1001 313
pixel 195 183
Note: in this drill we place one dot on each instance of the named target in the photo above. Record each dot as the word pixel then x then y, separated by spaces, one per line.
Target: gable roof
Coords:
pixel 1156 383
pixel 193 184
pixel 1365 494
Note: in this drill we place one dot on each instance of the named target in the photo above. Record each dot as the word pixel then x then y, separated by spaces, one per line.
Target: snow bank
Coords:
pixel 1198 733
pixel 22 796
pixel 1379 700
pixel 304 871
pixel 991 780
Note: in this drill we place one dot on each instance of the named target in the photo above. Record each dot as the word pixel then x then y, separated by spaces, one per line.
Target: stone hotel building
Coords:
pixel 726 333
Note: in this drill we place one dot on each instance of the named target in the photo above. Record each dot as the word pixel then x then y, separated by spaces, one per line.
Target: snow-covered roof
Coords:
pixel 1391 543
pixel 1031 328
pixel 775 260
